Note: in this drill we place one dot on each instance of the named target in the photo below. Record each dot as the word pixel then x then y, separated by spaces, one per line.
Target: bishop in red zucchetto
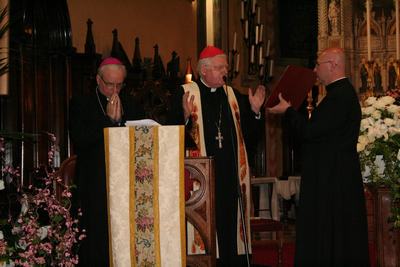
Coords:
pixel 223 124
pixel 210 51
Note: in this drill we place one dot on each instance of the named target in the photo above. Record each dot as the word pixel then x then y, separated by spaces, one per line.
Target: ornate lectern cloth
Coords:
pixel 145 195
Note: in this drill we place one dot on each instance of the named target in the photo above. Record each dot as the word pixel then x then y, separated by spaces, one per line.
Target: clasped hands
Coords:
pixel 114 108
pixel 256 100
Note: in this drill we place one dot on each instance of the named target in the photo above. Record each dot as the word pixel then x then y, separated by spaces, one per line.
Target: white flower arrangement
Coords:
pixel 379 147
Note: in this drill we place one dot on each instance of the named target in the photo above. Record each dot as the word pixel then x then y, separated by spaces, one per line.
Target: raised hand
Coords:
pixel 257 98
pixel 187 105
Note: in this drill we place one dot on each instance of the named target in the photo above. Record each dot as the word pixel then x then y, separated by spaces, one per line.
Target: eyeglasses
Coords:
pixel 110 85
pixel 218 67
pixel 322 62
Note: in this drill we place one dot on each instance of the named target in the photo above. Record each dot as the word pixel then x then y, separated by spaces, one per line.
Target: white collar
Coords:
pixel 341 78
pixel 212 89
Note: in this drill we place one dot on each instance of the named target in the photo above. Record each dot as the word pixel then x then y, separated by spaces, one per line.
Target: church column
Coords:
pixel 322 24
pixel 368 14
pixel 322 18
pixel 4 45
pixel 397 30
pixel 209 22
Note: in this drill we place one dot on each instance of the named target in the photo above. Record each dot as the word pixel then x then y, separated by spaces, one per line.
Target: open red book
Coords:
pixel 294 84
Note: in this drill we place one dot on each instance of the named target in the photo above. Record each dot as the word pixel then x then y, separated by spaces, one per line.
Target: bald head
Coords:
pixel 330 65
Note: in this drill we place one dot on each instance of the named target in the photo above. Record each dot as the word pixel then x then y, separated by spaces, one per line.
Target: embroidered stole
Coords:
pixel 197 133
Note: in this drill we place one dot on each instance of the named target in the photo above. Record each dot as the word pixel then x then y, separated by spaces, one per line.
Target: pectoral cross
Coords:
pixel 219 137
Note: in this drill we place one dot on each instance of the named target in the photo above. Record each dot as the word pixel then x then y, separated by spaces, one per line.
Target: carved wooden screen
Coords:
pixel 200 207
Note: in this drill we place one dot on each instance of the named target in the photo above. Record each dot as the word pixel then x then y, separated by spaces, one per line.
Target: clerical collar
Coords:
pixel 211 89
pixel 341 78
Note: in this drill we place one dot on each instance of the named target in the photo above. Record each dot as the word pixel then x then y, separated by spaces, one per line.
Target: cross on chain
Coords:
pixel 219 137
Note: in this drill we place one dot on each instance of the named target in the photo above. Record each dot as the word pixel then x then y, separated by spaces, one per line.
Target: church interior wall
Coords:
pixel 170 24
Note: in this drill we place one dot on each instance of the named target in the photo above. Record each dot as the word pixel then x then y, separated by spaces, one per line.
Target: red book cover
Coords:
pixel 294 84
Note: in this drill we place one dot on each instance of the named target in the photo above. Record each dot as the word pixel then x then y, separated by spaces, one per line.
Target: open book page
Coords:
pixel 145 122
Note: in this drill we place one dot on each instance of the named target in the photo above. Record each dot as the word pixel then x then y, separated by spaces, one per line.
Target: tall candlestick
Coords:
pixel 242 10
pixel 256 41
pixel 252 54
pixel 258 15
pixel 368 7
pixel 237 62
pixel 254 6
pixel 271 66
pixel 246 29
pixel 261 32
pixel 397 31
pixel 234 41
pixel 261 70
pixel 268 43
pixel 260 56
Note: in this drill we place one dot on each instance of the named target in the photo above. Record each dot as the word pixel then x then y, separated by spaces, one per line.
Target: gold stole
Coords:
pixel 197 133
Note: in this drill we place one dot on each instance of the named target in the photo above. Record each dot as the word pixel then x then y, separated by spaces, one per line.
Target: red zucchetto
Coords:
pixel 110 61
pixel 210 51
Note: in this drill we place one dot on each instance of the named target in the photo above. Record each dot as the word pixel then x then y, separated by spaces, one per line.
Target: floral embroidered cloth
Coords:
pixel 145 195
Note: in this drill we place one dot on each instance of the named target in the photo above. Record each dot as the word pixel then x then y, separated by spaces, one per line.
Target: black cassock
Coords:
pixel 331 223
pixel 87 121
pixel 215 108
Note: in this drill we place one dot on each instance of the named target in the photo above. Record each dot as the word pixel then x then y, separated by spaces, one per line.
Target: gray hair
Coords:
pixel 206 62
pixel 101 70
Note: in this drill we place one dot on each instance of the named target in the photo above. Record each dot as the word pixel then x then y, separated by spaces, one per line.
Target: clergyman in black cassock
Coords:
pixel 89 115
pixel 331 222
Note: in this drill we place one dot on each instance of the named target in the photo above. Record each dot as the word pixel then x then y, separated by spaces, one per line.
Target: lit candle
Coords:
pixel 188 78
pixel 397 31
pixel 256 41
pixel 268 43
pixel 237 62
pixel 254 6
pixel 271 66
pixel 242 10
pixel 261 32
pixel 252 54
pixel 260 56
pixel 258 15
pixel 246 30
pixel 368 7
pixel 234 41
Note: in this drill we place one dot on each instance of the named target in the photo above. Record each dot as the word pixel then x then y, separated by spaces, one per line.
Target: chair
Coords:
pixel 273 243
pixel 266 234
pixel 66 172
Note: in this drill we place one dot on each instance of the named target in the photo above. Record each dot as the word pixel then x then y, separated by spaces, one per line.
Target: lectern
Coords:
pixel 145 195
